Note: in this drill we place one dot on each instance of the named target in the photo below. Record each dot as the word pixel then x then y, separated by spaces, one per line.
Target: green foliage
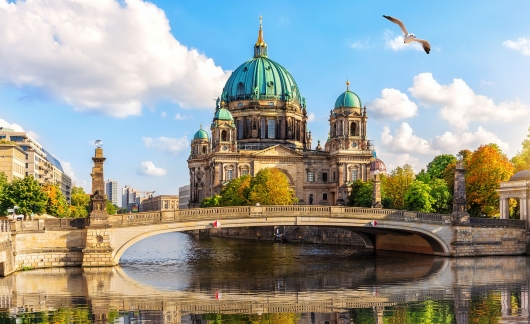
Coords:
pixel 56 204
pixel 521 160
pixel 212 201
pixel 441 195
pixel 235 193
pixel 268 187
pixel 423 176
pixel 395 185
pixel 436 167
pixel 25 193
pixel 418 197
pixel 79 203
pixel 111 209
pixel 361 194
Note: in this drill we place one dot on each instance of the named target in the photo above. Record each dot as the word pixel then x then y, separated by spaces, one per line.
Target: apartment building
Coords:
pixel 111 190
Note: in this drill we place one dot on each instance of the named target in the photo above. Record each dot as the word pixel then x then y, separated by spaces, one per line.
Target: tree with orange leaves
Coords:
pixel 56 204
pixel 486 168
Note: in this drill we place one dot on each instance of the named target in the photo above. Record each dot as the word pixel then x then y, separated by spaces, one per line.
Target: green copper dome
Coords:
pixel 200 134
pixel 223 114
pixel 348 100
pixel 261 78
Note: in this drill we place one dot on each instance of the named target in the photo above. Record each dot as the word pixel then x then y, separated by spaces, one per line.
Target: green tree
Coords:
pixel 235 193
pixel 361 194
pixel 521 160
pixel 486 168
pixel 271 187
pixel 111 209
pixel 436 167
pixel 80 201
pixel 395 186
pixel 56 204
pixel 212 201
pixel 25 193
pixel 441 195
pixel 418 197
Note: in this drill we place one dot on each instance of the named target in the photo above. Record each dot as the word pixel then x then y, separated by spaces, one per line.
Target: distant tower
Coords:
pixel 98 199
pixel 377 167
pixel 459 199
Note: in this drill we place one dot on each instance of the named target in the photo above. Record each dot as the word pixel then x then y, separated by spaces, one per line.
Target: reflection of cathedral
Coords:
pixel 261 121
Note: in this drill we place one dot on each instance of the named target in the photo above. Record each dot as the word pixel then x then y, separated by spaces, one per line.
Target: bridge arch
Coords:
pixel 362 227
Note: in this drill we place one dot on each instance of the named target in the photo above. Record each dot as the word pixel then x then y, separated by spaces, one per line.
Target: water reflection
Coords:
pixel 173 278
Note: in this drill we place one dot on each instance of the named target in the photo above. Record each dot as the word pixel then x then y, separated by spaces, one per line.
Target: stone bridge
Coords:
pixel 75 242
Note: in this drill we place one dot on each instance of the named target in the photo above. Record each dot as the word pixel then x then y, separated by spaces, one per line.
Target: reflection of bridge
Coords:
pixel 69 242
pixel 106 289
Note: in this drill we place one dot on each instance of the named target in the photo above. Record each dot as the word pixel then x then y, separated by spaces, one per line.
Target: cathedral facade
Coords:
pixel 260 122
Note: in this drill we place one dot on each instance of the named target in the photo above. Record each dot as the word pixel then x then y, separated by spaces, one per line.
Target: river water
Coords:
pixel 176 278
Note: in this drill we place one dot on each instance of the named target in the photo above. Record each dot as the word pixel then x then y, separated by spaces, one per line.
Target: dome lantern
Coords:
pixel 260 49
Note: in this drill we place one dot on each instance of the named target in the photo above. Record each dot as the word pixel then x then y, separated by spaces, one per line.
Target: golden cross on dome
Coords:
pixel 347 85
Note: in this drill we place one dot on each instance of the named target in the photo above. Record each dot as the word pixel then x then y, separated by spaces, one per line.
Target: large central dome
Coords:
pixel 261 79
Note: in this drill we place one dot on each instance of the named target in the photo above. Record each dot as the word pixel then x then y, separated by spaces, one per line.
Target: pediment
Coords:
pixel 277 150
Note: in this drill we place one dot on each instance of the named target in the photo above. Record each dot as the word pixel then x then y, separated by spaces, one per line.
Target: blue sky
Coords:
pixel 142 76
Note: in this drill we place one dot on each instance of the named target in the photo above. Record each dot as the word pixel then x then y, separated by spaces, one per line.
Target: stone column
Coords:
pixel 523 208
pixel 97 251
pixel 505 208
pixel 525 305
pixel 460 213
pixel 376 196
pixel 506 307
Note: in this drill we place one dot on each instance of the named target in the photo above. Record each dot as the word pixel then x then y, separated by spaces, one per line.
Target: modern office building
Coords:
pixel 111 190
pixel 184 197
pixel 37 161
pixel 130 197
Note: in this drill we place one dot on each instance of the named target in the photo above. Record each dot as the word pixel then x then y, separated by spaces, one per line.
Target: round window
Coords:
pixel 270 83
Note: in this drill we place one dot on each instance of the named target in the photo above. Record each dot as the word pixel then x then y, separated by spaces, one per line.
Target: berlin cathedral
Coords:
pixel 260 122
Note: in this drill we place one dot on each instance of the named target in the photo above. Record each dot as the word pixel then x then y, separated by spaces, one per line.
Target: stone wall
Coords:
pixel 299 234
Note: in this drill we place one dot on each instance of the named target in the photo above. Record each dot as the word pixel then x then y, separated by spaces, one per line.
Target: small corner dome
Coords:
pixel 223 114
pixel 200 134
pixel 348 100
pixel 378 165
pixel 521 175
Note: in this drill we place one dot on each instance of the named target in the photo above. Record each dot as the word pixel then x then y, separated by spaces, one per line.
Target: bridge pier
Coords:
pixel 98 251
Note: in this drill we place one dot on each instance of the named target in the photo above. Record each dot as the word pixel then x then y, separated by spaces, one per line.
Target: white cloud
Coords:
pixel 521 45
pixel 452 143
pixel 404 141
pixel 15 127
pixel 360 44
pixel 68 170
pixel 397 43
pixel 311 117
pixel 460 105
pixel 393 104
pixel 34 135
pixel 167 144
pixel 163 114
pixel 178 116
pixel 148 169
pixel 109 57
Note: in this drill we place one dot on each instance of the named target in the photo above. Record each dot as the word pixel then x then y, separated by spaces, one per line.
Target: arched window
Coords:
pixel 354 175
pixel 223 136
pixel 334 130
pixel 204 150
pixel 272 126
pixel 353 129
pixel 239 129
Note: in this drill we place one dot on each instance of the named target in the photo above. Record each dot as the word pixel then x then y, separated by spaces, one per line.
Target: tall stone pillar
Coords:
pixel 97 251
pixel 460 213
pixel 376 196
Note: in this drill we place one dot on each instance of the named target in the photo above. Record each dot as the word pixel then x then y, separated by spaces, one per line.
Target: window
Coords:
pixel 229 175
pixel 17 138
pixel 239 104
pixel 325 177
pixel 223 135
pixel 354 175
pixel 239 129
pixel 272 125
pixel 244 172
pixel 310 176
pixel 271 103
pixel 325 196
pixel 204 150
pixel 262 128
pixel 353 128
pixel 334 177
pixel 2 136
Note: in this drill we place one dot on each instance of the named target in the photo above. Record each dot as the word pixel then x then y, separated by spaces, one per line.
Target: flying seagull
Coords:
pixel 409 37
